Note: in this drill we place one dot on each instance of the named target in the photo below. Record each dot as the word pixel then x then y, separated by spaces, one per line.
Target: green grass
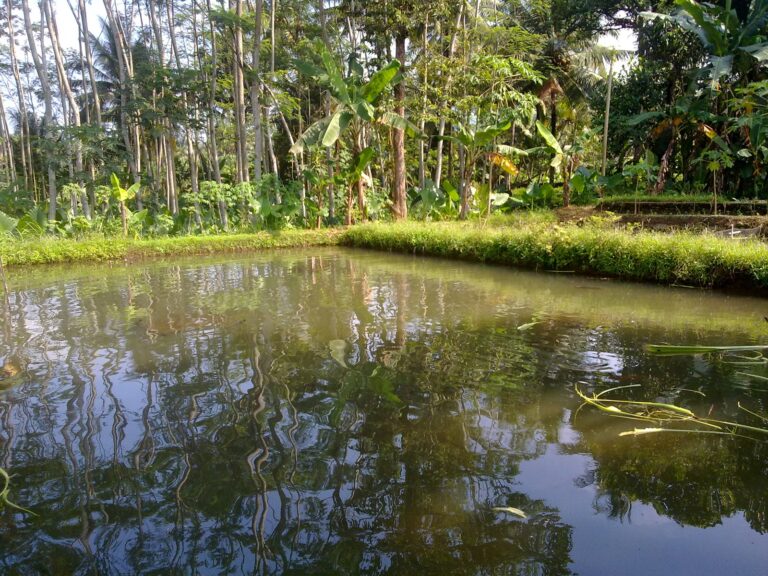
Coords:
pixel 57 250
pixel 620 198
pixel 598 249
pixel 529 240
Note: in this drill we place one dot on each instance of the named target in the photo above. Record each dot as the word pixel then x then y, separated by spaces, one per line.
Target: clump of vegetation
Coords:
pixel 595 247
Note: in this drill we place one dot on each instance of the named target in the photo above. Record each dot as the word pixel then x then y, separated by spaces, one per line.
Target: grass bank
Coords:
pixel 59 251
pixel 528 240
pixel 596 248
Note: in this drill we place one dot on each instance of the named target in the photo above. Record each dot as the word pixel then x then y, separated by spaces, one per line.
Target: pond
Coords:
pixel 353 412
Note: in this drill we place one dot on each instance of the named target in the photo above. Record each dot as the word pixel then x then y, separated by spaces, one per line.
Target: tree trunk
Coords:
pixel 239 97
pixel 223 216
pixel 328 156
pixel 258 135
pixel 399 197
pixel 66 88
pixel 5 136
pixel 26 152
pixel 128 125
pixel 42 74
pixel 441 128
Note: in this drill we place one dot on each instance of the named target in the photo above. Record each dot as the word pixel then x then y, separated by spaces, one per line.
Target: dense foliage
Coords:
pixel 186 116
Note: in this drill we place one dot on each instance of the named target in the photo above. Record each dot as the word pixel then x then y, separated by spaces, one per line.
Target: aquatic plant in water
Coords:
pixel 4 501
pixel 672 418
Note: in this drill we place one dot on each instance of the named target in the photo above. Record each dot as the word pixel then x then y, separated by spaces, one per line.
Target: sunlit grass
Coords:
pixel 595 247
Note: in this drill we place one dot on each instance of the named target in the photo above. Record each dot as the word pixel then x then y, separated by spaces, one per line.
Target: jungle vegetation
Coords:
pixel 193 116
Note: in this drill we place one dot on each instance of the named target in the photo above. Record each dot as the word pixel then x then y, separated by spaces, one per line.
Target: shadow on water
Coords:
pixel 359 413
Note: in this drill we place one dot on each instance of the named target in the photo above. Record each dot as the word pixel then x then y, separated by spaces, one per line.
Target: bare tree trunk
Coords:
pixel 239 98
pixel 328 156
pixel 66 88
pixel 441 127
pixel 128 125
pixel 26 153
pixel 89 61
pixel 399 203
pixel 223 216
pixel 422 123
pixel 607 117
pixel 258 136
pixel 42 74
pixel 5 136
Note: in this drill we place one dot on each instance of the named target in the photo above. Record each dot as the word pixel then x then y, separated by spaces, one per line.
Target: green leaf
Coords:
pixel 309 69
pixel 364 110
pixel 361 161
pixel 336 127
pixel 486 135
pixel 758 51
pixel 644 117
pixel 379 81
pixel 7 223
pixel 311 136
pixel 549 138
pixel 398 122
pixel 499 199
pixel 130 194
pixel 451 190
pixel 335 79
pixel 338 350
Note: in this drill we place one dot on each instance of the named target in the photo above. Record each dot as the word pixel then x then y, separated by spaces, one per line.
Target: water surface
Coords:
pixel 355 412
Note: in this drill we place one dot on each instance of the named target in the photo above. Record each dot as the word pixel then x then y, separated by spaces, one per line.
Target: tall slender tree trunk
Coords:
pixel 258 136
pixel 399 197
pixel 7 148
pixel 42 73
pixel 128 125
pixel 212 140
pixel 66 88
pixel 26 152
pixel 239 97
pixel 441 126
pixel 89 61
pixel 423 144
pixel 327 103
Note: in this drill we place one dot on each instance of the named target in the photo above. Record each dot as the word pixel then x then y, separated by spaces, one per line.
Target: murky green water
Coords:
pixel 342 412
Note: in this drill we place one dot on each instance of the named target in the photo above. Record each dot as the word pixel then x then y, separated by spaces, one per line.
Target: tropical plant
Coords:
pixel 355 108
pixel 123 195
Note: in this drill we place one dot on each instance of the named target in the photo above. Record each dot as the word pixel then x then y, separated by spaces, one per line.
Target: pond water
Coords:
pixel 352 412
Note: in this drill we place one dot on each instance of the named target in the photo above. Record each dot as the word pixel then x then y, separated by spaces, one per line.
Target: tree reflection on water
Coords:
pixel 198 419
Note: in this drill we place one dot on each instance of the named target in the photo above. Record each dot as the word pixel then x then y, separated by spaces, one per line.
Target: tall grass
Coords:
pixel 57 250
pixel 594 248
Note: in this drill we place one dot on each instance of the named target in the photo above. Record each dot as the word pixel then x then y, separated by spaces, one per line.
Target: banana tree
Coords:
pixel 355 110
pixel 734 47
pixel 565 159
pixel 122 195
pixel 478 143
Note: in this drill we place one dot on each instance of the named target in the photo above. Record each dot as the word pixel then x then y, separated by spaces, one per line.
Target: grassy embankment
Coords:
pixel 56 250
pixel 528 240
pixel 596 248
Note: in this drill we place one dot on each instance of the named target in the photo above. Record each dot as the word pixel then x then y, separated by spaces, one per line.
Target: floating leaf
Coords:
pixel 510 510
pixel 338 351
pixel 689 350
